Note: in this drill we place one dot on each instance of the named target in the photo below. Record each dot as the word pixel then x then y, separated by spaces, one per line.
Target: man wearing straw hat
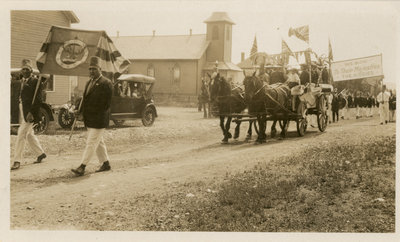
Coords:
pixel 95 108
pixel 28 108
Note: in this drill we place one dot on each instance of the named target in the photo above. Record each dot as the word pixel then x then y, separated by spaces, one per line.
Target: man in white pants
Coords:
pixel 95 108
pixel 28 111
pixel 383 100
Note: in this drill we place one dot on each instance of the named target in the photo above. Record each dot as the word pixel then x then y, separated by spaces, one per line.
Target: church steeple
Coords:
pixel 219 33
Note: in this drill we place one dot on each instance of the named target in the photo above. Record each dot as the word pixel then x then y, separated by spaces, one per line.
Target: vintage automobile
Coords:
pixel 132 99
pixel 46 111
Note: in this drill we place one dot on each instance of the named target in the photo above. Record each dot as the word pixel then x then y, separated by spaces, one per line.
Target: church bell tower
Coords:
pixel 219 33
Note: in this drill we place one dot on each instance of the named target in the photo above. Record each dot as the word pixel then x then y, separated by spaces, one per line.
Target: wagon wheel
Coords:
pixel 322 116
pixel 302 121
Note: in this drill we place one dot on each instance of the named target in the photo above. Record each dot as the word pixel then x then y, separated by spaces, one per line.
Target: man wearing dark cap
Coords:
pixel 28 109
pixel 95 108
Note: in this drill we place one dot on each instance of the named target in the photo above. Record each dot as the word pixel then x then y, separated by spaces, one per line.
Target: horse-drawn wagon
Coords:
pixel 260 102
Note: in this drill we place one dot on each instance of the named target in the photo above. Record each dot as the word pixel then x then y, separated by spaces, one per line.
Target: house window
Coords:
pixel 150 70
pixel 215 33
pixel 48 84
pixel 228 33
pixel 177 73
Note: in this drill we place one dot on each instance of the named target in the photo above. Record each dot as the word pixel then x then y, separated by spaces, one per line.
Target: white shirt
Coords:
pixel 383 97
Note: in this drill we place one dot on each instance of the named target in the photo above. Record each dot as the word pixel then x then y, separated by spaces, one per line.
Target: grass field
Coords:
pixel 349 187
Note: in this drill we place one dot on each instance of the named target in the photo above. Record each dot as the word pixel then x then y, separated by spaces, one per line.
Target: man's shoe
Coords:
pixel 80 170
pixel 105 167
pixel 16 165
pixel 40 158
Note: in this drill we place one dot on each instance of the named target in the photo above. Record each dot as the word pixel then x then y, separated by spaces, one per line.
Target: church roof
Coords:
pixel 248 63
pixel 162 47
pixel 219 17
pixel 222 66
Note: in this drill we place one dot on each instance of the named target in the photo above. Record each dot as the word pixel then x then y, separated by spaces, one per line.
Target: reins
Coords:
pixel 273 99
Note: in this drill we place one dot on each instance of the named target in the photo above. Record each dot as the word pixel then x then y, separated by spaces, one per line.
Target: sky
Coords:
pixel 355 29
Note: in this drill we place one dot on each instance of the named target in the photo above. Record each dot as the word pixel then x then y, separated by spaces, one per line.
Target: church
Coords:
pixel 179 62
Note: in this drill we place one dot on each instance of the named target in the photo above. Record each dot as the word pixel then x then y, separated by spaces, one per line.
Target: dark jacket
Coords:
pixel 96 104
pixel 305 77
pixel 392 102
pixel 369 102
pixel 350 101
pixel 325 76
pixel 277 76
pixel 14 100
pixel 27 93
pixel 335 103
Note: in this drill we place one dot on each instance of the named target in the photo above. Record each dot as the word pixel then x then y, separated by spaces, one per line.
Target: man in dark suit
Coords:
pixel 335 106
pixel 277 76
pixel 95 108
pixel 28 107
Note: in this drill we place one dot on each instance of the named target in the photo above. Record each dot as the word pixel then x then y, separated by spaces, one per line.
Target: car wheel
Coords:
pixel 43 123
pixel 148 116
pixel 118 122
pixel 65 118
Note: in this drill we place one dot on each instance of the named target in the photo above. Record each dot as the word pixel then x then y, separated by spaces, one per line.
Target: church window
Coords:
pixel 150 70
pixel 215 33
pixel 177 73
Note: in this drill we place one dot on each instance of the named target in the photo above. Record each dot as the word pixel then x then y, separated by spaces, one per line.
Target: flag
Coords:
pixel 301 33
pixel 286 49
pixel 67 52
pixel 330 51
pixel 254 48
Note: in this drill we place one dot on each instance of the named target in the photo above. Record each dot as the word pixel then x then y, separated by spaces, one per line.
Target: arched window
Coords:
pixel 177 73
pixel 215 33
pixel 228 33
pixel 150 70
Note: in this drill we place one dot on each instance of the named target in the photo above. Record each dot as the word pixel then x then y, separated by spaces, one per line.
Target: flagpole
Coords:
pixel 330 57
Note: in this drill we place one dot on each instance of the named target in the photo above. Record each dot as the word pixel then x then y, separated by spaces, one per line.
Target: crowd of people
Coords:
pixel 341 105
pixel 360 104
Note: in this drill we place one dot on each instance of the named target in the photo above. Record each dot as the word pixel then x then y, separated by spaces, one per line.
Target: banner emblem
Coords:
pixel 71 54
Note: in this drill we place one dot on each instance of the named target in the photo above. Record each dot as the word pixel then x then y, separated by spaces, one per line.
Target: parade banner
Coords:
pixel 357 68
pixel 67 51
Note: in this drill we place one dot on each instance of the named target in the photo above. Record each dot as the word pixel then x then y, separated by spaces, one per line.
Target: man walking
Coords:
pixel 383 100
pixel 95 108
pixel 28 114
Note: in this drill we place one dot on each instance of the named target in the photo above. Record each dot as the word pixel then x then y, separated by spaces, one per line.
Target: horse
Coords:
pixel 204 99
pixel 228 100
pixel 272 99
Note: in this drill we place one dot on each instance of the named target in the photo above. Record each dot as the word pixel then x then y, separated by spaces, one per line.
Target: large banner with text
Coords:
pixel 357 68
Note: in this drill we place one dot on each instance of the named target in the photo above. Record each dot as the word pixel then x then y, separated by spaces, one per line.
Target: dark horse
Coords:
pixel 227 101
pixel 266 99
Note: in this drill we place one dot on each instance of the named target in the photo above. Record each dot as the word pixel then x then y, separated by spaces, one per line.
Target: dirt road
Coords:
pixel 180 148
